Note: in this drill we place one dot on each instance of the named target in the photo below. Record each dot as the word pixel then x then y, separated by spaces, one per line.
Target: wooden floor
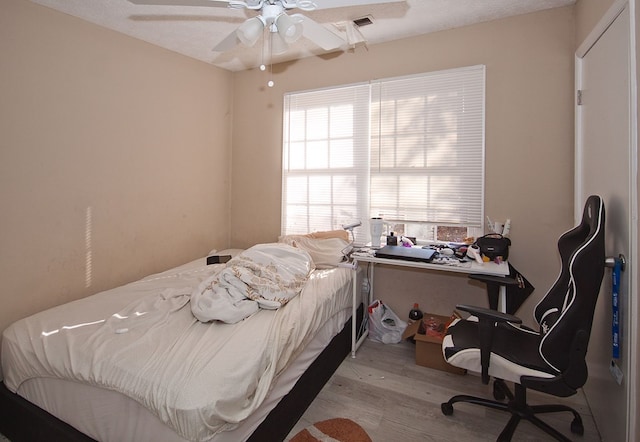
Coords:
pixel 394 399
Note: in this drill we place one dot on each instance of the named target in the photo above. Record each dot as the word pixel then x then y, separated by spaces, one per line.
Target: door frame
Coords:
pixel 631 366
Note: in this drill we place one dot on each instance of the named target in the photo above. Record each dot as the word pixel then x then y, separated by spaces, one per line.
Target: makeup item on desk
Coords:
pixel 392 239
pixel 460 252
pixel 406 242
pixel 489 224
pixel 507 227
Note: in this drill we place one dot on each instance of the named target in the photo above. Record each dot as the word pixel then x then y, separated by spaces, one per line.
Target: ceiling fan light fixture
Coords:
pixel 306 5
pixel 250 31
pixel 288 28
pixel 278 44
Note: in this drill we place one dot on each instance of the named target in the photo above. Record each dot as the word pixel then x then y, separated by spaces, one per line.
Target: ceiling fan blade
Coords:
pixel 229 42
pixel 318 34
pixel 328 4
pixel 214 3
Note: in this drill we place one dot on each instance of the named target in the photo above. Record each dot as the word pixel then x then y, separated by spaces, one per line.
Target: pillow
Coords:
pixel 325 252
pixel 342 234
pixel 232 252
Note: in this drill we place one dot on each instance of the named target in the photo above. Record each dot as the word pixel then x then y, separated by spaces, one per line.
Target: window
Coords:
pixel 409 149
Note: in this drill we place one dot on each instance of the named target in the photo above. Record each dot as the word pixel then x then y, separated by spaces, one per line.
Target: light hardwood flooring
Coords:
pixel 394 399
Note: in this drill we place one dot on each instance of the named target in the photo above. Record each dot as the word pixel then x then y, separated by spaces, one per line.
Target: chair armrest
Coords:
pixel 491 279
pixel 494 284
pixel 489 314
pixel 487 320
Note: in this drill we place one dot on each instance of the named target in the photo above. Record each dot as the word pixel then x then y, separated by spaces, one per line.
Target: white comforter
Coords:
pixel 265 276
pixel 142 340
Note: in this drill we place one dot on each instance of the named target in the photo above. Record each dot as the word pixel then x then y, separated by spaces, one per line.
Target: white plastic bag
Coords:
pixel 384 325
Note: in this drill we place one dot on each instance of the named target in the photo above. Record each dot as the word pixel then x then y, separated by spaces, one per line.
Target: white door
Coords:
pixel 605 143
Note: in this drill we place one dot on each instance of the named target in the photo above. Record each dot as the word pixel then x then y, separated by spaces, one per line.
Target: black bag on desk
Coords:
pixel 494 245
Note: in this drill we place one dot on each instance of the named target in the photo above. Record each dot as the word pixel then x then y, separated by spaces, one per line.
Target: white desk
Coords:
pixel 487 268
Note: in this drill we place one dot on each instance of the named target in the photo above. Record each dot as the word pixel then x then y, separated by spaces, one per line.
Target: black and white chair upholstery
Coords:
pixel 551 359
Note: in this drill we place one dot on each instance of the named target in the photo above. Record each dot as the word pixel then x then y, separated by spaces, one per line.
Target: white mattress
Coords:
pixel 42 370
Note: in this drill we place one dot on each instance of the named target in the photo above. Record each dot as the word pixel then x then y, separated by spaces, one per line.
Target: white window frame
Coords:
pixel 312 189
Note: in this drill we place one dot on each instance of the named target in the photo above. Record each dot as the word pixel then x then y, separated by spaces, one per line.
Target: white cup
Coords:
pixel 376 225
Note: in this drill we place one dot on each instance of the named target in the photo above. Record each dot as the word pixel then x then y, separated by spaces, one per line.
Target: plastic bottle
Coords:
pixel 415 313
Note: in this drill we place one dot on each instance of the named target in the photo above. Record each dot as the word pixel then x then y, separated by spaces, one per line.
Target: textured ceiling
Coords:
pixel 194 31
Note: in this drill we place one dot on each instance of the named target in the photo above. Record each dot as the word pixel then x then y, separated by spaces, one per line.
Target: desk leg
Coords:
pixel 371 298
pixel 354 330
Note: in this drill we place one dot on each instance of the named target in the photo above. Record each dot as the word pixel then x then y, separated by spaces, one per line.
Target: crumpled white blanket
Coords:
pixel 264 276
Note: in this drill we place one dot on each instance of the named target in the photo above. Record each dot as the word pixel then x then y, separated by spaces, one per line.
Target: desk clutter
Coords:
pixel 426 330
pixel 384 325
pixel 435 258
pixel 492 247
pixel 427 334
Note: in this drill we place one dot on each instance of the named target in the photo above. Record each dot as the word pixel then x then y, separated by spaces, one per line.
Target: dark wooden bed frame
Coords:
pixel 22 421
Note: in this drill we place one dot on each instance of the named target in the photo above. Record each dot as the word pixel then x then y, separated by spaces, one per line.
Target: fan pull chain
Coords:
pixel 264 43
pixel 270 83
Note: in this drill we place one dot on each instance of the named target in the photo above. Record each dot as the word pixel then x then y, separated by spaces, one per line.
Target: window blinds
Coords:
pixel 427 148
pixel 409 149
pixel 326 158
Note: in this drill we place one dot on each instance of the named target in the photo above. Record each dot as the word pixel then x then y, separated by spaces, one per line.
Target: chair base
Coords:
pixel 501 390
pixel 520 410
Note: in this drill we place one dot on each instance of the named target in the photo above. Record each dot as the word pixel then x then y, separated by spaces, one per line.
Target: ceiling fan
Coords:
pixel 283 29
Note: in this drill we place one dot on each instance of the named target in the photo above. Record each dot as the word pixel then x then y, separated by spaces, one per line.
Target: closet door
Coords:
pixel 605 159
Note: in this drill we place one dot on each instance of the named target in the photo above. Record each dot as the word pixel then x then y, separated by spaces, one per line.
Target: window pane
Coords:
pixel 341 121
pixel 296 125
pixel 345 190
pixel 320 190
pixel 297 156
pixel 296 190
pixel 452 234
pixel 341 153
pixel 317 124
pixel 317 155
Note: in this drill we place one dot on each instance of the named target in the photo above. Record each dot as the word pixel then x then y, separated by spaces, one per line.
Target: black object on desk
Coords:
pixel 218 259
pixel 406 253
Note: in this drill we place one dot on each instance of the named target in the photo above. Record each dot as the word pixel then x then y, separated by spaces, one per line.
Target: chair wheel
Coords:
pixel 577 427
pixel 498 394
pixel 447 408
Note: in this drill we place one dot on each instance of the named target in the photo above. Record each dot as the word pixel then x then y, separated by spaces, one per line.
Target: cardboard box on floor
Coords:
pixel 429 348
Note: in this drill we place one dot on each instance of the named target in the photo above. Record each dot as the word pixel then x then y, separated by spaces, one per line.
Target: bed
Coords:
pixel 135 363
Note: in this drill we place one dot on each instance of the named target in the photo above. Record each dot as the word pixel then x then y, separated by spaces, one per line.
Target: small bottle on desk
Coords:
pixel 415 313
